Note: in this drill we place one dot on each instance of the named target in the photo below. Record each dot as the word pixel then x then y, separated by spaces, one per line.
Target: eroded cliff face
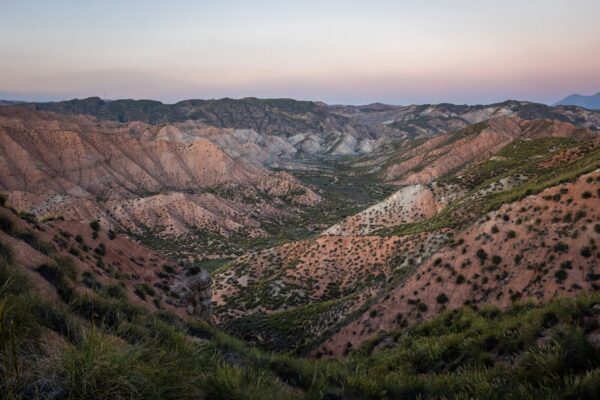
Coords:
pixel 410 204
pixel 139 178
pixel 42 152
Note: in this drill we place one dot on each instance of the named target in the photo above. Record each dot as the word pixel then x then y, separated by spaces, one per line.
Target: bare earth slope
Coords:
pixel 137 177
pixel 537 248
pixel 348 270
pixel 446 153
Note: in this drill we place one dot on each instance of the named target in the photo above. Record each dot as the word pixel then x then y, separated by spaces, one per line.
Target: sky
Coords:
pixel 337 51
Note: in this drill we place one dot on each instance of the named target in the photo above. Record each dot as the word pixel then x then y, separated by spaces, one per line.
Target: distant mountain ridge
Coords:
pixel 590 102
pixel 315 129
pixel 279 115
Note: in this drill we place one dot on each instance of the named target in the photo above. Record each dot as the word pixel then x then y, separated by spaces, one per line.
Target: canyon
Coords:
pixel 301 228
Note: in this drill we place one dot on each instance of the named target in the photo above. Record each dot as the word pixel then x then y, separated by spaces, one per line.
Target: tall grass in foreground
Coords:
pixel 102 348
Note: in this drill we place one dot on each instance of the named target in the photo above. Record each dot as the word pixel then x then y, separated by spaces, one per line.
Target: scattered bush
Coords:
pixel 95 225
pixel 481 255
pixel 6 224
pixel 560 275
pixel 441 298
pixel 561 247
pixel 100 250
pixel 586 252
pixel 32 240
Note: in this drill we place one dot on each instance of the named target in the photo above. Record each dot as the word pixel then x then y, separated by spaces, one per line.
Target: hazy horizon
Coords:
pixel 58 99
pixel 338 52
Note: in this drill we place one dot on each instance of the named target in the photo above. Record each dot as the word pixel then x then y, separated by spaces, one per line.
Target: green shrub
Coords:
pixel 100 250
pixel 140 292
pixel 12 281
pixel 481 255
pixel 57 278
pixel 441 298
pixel 95 225
pixel 116 291
pixel 103 312
pixel 561 247
pixel 66 265
pixel 560 275
pixel 29 217
pixel 169 269
pixel 32 240
pixel 6 224
pixel 586 252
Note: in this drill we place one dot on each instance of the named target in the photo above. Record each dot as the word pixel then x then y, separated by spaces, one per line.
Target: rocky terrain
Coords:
pixel 414 225
pixel 443 154
pixel 314 128
pixel 142 179
pixel 438 245
pixel 411 203
pixel 540 247
pixel 316 221
pixel 420 167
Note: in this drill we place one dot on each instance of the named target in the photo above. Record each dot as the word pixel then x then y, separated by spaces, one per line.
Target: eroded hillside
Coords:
pixel 540 247
pixel 318 222
pixel 141 179
pixel 279 293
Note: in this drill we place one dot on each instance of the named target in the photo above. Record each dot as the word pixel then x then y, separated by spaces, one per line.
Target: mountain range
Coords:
pixel 591 102
pixel 416 248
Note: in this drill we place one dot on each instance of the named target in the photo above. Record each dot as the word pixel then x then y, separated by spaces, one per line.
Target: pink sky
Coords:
pixel 463 51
